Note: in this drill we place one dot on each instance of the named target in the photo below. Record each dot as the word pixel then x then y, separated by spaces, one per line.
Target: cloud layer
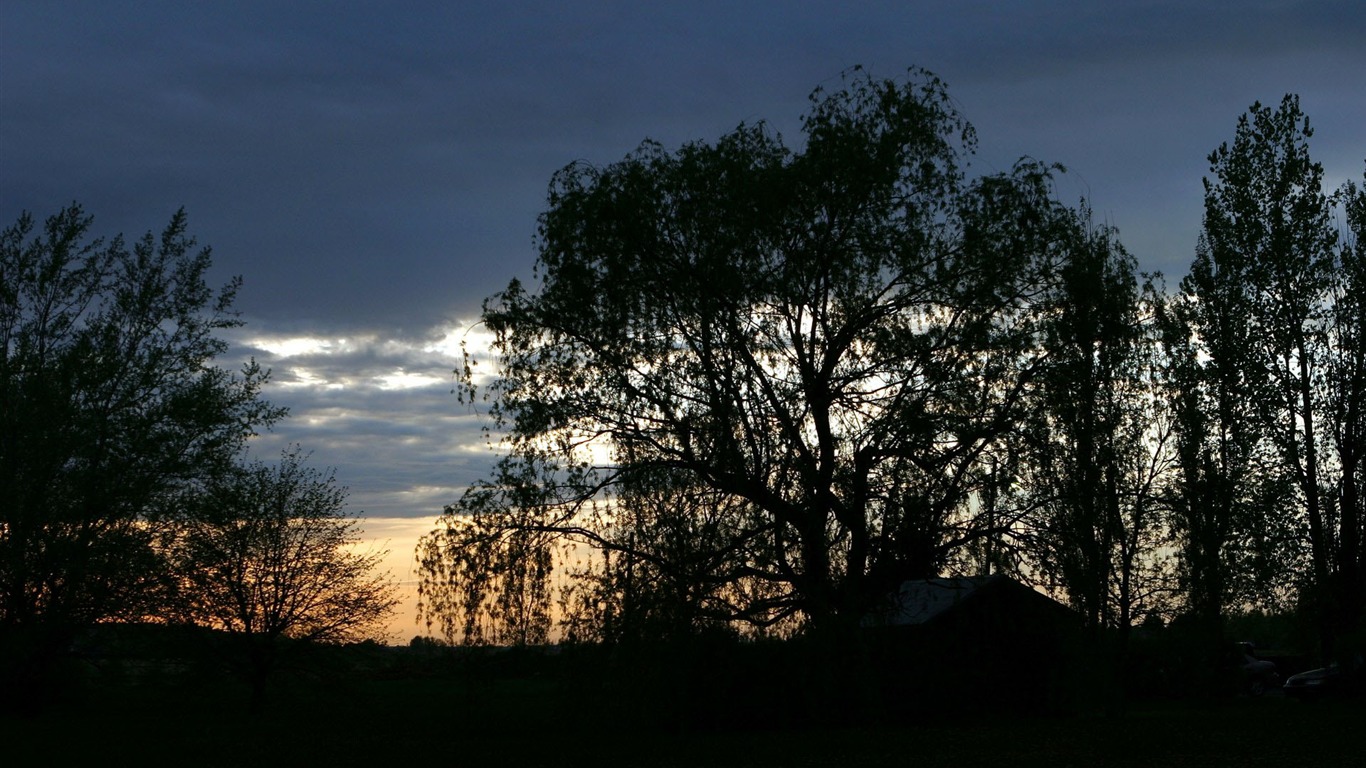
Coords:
pixel 383 169
pixel 381 410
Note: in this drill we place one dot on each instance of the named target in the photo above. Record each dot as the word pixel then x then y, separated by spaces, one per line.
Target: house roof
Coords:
pixel 918 601
pixel 921 601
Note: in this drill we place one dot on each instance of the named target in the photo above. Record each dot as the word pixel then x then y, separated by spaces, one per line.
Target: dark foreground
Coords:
pixel 439 721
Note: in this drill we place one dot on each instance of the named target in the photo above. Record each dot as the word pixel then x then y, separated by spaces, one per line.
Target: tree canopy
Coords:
pixel 111 407
pixel 756 386
pixel 1266 508
pixel 121 498
pixel 819 346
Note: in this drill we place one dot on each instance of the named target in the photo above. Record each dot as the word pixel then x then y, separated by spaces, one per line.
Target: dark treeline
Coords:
pixel 124 494
pixel 755 388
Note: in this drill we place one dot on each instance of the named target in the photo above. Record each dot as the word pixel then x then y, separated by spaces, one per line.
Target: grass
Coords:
pixel 532 722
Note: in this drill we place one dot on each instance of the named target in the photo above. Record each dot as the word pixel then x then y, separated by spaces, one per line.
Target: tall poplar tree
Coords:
pixel 1346 389
pixel 1267 207
pixel 1270 323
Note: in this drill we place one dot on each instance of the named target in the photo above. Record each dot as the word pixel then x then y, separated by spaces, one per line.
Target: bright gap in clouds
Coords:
pixel 295 346
pixel 402 379
pixel 370 360
pixel 303 377
pixel 379 409
pixel 454 341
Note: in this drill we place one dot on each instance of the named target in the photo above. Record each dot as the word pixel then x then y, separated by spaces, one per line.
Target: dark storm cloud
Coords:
pixel 365 167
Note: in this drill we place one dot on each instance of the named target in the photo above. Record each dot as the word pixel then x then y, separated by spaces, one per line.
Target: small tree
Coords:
pixel 267 555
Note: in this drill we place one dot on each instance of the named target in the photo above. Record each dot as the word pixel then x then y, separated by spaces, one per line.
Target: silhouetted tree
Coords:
pixel 1099 442
pixel 110 406
pixel 266 554
pixel 1229 501
pixel 1346 393
pixel 1266 350
pixel 824 342
pixel 1268 207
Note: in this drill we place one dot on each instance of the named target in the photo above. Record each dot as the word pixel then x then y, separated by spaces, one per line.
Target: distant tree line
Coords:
pixel 757 387
pixel 123 492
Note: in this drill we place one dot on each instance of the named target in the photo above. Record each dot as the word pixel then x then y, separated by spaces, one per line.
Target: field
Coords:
pixel 529 722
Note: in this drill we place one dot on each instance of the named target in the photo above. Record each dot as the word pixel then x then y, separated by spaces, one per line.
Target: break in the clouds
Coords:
pixel 379 409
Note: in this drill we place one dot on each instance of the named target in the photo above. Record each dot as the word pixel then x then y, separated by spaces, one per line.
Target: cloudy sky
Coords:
pixel 374 170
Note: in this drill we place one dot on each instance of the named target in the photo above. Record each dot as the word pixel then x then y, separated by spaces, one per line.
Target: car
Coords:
pixel 1332 680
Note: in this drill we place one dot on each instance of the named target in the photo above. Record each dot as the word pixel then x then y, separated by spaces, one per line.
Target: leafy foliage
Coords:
pixel 1098 441
pixel 267 551
pixel 1265 349
pixel 110 409
pixel 266 554
pixel 811 351
pixel 1345 384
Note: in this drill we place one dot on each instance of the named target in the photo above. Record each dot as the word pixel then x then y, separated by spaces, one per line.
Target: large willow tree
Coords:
pixel 757 382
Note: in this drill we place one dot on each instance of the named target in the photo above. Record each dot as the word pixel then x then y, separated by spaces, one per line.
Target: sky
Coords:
pixel 373 171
